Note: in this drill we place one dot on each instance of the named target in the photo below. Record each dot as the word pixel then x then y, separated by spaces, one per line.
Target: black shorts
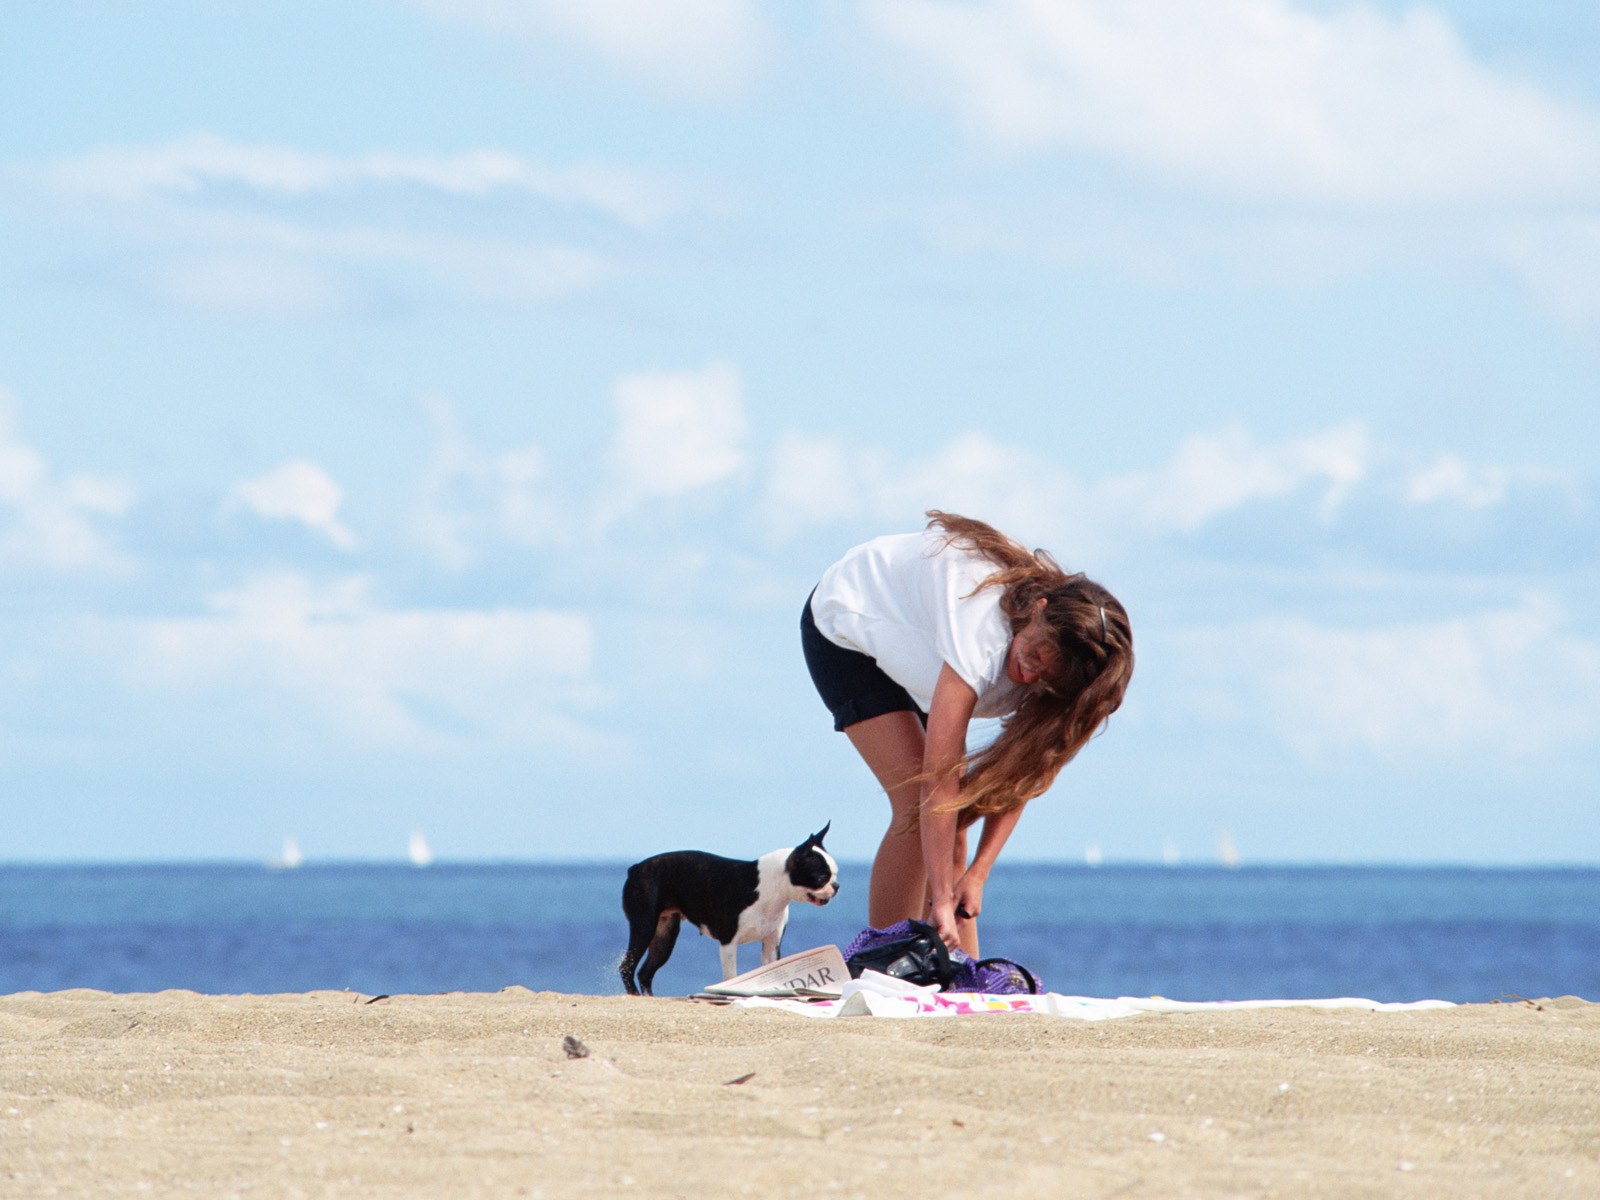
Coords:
pixel 851 684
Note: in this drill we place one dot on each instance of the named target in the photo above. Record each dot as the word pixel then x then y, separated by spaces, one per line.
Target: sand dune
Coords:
pixel 474 1095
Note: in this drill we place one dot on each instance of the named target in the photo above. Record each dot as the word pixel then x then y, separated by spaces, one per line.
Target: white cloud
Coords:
pixel 1253 98
pixel 682 435
pixel 200 164
pixel 1256 140
pixel 1451 479
pixel 1506 682
pixel 469 496
pixel 245 263
pixel 48 520
pixel 297 491
pixel 677 431
pixel 695 49
pixel 272 230
pixel 1212 474
pixel 813 481
pixel 328 657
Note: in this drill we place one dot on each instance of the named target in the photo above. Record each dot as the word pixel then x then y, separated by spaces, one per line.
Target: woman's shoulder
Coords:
pixel 936 579
pixel 965 567
pixel 893 556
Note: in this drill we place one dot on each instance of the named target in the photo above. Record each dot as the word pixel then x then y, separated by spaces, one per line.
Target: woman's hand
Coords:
pixel 969 895
pixel 942 916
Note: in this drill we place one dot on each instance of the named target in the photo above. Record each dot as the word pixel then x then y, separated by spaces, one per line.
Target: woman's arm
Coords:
pixel 948 717
pixel 969 888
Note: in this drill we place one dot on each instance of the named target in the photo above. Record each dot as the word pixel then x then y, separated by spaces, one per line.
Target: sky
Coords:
pixel 433 413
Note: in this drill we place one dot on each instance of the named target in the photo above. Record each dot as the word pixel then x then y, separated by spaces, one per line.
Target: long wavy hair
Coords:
pixel 1053 721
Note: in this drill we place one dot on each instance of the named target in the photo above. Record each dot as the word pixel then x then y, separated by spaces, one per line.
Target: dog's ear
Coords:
pixel 816 838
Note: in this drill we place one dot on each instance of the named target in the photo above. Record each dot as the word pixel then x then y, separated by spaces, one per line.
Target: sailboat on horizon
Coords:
pixel 289 859
pixel 418 851
pixel 1227 852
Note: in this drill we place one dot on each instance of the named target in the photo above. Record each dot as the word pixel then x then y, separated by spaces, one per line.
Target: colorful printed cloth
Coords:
pixel 875 995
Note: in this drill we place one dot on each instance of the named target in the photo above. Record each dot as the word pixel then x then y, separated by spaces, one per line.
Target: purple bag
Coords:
pixel 993 976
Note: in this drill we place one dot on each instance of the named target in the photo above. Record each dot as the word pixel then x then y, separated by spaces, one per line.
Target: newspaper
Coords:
pixel 815 973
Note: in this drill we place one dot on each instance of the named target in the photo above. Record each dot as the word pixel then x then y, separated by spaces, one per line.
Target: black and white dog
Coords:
pixel 730 899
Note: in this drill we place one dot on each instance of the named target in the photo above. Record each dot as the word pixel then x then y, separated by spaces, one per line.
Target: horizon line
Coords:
pixel 1076 863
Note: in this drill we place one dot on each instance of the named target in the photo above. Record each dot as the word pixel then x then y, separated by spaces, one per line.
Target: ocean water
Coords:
pixel 1187 933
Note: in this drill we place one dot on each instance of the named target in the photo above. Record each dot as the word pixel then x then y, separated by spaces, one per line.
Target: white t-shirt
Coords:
pixel 906 602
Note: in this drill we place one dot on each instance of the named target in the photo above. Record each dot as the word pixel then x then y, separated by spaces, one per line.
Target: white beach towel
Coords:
pixel 876 995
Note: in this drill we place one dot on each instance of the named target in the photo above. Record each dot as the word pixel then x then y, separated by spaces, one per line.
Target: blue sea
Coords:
pixel 1188 933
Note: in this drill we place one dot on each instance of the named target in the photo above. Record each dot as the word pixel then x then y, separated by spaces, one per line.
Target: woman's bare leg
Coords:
pixel 892 746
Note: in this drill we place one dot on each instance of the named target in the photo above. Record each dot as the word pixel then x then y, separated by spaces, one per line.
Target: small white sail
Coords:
pixel 1169 854
pixel 289 859
pixel 1091 854
pixel 418 851
pixel 1227 852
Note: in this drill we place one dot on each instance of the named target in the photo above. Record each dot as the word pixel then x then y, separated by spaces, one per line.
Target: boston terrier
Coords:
pixel 731 899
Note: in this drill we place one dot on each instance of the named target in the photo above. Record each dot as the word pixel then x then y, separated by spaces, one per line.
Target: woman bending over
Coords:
pixel 908 638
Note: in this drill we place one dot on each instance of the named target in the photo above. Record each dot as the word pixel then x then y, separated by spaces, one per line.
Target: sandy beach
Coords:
pixel 335 1094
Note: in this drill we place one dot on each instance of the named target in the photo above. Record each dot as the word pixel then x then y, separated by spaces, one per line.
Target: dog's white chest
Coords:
pixel 759 923
pixel 765 919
